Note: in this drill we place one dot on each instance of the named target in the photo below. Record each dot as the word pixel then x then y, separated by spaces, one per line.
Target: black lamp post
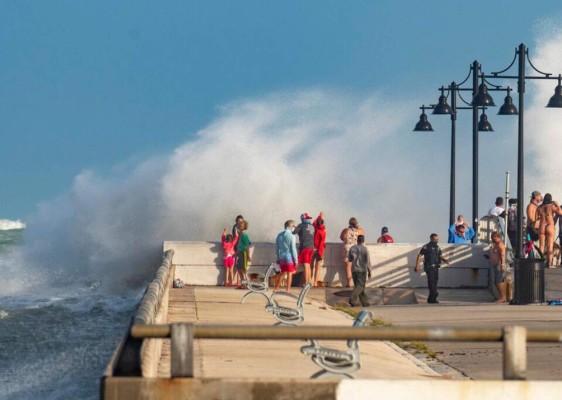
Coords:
pixel 442 108
pixel 522 55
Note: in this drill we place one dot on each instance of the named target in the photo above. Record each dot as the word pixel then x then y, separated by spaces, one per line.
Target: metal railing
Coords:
pixel 514 338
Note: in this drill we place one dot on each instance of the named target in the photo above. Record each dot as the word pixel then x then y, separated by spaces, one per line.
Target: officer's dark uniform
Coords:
pixel 431 263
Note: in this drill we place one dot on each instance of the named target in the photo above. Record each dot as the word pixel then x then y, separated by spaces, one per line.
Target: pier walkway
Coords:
pixel 219 358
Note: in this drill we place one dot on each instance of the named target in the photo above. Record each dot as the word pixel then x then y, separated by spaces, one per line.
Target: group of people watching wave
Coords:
pixel 310 253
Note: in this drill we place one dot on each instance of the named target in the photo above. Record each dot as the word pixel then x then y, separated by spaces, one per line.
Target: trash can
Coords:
pixel 529 281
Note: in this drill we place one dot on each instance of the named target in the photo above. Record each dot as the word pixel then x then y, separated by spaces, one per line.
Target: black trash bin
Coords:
pixel 529 281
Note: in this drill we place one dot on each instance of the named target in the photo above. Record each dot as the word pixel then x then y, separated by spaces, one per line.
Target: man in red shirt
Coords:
pixel 319 246
pixel 385 237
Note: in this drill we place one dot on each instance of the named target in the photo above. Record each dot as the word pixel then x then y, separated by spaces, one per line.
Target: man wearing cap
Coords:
pixel 385 237
pixel 461 233
pixel 305 231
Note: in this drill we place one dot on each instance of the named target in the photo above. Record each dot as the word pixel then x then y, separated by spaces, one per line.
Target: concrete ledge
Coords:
pixel 247 389
pixel 200 263
pixel 447 390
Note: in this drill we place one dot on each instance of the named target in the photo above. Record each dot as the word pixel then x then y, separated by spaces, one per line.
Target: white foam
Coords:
pixel 7 225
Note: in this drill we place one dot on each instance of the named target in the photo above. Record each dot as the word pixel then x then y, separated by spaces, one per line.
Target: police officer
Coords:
pixel 432 257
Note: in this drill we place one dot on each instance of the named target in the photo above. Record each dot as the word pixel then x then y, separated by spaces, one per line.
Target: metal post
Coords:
pixel 514 353
pixel 520 206
pixel 506 205
pixel 453 146
pixel 182 350
pixel 475 72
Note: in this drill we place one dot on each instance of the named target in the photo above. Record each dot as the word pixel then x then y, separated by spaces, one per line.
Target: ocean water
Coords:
pixel 56 342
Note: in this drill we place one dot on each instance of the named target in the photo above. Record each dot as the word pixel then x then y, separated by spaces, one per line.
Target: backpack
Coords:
pixel 512 219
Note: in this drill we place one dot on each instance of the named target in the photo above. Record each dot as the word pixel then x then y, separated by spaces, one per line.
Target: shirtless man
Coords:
pixel 498 262
pixel 545 215
pixel 532 221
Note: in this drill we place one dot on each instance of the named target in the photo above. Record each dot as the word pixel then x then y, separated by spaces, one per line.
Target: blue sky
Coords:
pixel 92 85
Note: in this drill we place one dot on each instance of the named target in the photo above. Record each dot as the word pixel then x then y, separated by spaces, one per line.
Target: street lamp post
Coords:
pixel 482 125
pixel 521 55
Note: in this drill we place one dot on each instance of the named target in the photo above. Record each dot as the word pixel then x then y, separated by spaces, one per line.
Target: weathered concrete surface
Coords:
pixel 284 389
pixel 200 263
pixel 273 358
pixel 467 308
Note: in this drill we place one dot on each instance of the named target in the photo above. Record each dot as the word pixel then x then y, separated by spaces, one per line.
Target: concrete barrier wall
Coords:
pixel 153 309
pixel 200 263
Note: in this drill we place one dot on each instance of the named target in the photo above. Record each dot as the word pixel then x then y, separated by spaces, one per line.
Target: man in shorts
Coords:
pixel 498 263
pixel 286 255
pixel 305 231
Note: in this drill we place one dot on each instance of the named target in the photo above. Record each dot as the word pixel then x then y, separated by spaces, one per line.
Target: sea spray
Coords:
pixel 269 159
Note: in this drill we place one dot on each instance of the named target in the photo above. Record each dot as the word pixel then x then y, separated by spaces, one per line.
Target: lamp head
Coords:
pixel 482 97
pixel 483 124
pixel 507 107
pixel 442 108
pixel 556 99
pixel 423 124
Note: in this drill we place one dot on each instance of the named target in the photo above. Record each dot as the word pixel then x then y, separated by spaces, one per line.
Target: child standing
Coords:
pixel 243 252
pixel 228 243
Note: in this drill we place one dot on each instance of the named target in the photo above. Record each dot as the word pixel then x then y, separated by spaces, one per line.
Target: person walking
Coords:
pixel 305 231
pixel 432 257
pixel 286 255
pixel 349 238
pixel 360 270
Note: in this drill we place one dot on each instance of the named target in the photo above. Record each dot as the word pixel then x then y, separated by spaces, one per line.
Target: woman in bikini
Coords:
pixel 546 213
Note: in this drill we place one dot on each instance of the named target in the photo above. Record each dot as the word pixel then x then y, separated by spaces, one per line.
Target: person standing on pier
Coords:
pixel 319 246
pixel 349 238
pixel 532 220
pixel 499 264
pixel 286 255
pixel 360 270
pixel 385 237
pixel 228 253
pixel 432 257
pixel 546 215
pixel 305 231
pixel 243 252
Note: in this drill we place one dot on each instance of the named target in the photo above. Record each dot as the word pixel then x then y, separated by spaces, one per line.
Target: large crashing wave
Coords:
pixel 271 159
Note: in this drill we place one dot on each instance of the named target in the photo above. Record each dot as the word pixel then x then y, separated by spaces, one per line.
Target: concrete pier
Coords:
pixel 275 369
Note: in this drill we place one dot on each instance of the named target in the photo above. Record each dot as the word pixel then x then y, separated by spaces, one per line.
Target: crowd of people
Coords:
pixel 309 253
pixel 542 216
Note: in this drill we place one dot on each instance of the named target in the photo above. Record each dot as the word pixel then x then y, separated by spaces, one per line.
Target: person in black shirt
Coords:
pixel 432 257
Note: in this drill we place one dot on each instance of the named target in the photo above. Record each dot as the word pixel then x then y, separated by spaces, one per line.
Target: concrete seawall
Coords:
pixel 200 263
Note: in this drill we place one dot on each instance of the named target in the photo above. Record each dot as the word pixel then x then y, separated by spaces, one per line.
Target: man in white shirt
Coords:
pixel 498 210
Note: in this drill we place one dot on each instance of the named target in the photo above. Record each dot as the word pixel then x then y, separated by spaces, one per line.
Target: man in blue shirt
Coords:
pixel 461 233
pixel 286 254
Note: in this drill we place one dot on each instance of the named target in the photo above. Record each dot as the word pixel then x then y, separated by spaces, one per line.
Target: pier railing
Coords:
pixel 514 338
pixel 138 357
